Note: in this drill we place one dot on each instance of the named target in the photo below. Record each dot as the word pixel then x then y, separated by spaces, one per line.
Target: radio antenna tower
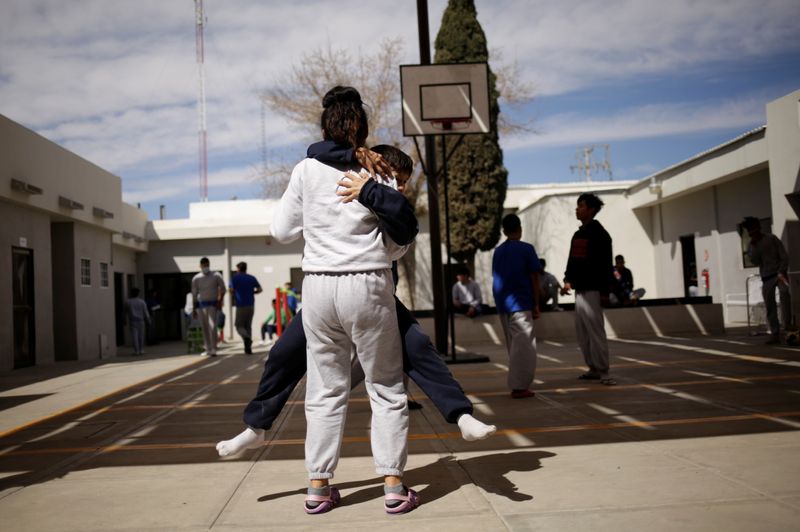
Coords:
pixel 263 137
pixel 587 165
pixel 200 20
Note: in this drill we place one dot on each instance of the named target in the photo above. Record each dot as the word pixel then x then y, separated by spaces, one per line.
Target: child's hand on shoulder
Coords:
pixel 374 164
pixel 350 186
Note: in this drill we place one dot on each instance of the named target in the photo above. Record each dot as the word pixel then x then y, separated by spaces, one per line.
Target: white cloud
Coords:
pixel 574 44
pixel 164 188
pixel 116 81
pixel 642 122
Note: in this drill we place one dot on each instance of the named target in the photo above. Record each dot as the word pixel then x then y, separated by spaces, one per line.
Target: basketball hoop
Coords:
pixel 445 99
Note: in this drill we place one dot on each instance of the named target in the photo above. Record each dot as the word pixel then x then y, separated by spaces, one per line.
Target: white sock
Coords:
pixel 249 439
pixel 474 430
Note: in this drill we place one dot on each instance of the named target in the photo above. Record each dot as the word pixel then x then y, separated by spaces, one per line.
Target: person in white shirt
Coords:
pixel 467 298
pixel 550 287
pixel 208 290
pixel 348 301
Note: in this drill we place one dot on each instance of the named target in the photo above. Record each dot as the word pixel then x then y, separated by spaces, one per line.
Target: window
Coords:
pixel 104 274
pixel 86 272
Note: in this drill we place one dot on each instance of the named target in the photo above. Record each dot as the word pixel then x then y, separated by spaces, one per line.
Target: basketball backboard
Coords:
pixel 445 99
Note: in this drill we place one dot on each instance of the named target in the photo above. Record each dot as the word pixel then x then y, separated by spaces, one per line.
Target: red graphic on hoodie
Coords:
pixel 580 248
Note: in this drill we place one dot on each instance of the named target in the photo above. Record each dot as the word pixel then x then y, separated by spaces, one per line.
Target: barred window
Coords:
pixel 104 274
pixel 86 272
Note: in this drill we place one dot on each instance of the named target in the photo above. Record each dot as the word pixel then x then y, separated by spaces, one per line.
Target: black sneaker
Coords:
pixel 248 344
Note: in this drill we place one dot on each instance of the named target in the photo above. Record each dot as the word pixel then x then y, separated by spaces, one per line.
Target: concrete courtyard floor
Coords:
pixel 700 434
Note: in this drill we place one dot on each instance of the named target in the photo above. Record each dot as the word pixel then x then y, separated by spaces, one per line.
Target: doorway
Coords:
pixel 23 307
pixel 165 294
pixel 119 308
pixel 689 267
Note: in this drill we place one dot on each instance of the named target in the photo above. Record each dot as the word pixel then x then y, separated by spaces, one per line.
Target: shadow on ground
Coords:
pixel 446 475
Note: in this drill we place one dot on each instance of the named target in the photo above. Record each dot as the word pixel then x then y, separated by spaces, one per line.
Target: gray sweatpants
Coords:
pixel 591 332
pixel 244 322
pixel 768 291
pixel 208 320
pixel 340 312
pixel 521 346
pixel 137 335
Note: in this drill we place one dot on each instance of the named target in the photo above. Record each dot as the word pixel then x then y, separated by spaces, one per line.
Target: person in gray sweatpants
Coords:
pixel 332 325
pixel 767 252
pixel 138 317
pixel 208 290
pixel 348 295
pixel 590 273
pixel 515 285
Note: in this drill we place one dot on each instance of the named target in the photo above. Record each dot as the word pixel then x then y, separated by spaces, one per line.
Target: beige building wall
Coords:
pixel 96 336
pixel 28 229
pixel 64 208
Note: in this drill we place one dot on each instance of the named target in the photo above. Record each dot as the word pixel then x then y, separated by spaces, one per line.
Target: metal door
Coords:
pixel 23 307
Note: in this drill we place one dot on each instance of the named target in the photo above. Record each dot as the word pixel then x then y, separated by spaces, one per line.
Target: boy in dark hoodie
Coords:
pixel 590 273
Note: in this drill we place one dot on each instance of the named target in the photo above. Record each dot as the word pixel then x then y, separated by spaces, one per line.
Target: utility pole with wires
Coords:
pixel 587 165
pixel 200 21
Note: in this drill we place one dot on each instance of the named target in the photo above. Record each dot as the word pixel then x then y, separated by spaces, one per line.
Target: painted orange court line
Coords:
pixel 420 437
pixel 95 400
pixel 560 390
pixel 478 373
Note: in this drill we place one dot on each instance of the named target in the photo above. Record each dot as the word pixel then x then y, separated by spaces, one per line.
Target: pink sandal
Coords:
pixel 326 502
pixel 410 501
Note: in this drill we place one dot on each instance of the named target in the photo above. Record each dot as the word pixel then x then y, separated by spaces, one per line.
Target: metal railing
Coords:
pixel 747 300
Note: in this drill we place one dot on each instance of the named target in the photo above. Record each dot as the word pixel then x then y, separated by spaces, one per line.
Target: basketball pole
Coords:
pixel 437 277
pixel 466 357
pixel 452 313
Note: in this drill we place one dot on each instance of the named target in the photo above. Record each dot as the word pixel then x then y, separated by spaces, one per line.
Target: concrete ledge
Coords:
pixel 629 322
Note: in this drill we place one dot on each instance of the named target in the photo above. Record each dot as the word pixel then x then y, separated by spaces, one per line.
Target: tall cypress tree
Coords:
pixel 476 176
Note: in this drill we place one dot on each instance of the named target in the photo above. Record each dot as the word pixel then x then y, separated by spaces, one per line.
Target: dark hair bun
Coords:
pixel 341 94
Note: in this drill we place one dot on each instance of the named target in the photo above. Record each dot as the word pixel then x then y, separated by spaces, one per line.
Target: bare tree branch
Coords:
pixel 515 93
pixel 296 95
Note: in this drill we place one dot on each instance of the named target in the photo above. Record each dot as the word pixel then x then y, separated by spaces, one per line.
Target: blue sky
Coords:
pixel 116 81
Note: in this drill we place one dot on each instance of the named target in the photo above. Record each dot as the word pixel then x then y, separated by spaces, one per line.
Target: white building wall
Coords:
pixel 270 263
pixel 783 146
pixel 747 196
pixel 712 216
pixel 631 237
pixel 550 223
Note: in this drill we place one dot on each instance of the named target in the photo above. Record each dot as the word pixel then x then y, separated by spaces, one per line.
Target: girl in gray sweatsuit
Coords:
pixel 347 302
